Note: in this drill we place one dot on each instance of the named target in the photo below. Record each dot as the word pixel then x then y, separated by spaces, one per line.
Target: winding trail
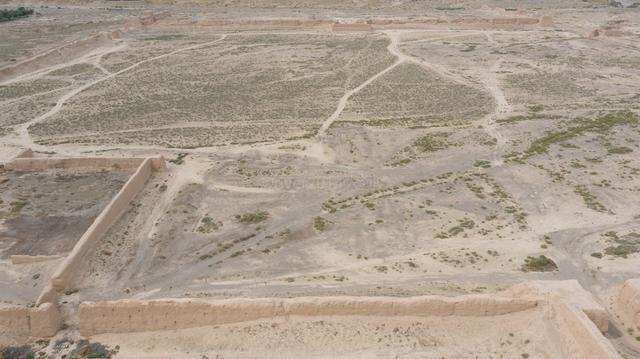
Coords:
pixel 23 130
pixel 343 100
pixel 401 58
pixel 502 108
pixel 430 66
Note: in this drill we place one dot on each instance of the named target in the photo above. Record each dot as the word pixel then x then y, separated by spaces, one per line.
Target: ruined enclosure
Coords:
pixel 44 213
pixel 407 180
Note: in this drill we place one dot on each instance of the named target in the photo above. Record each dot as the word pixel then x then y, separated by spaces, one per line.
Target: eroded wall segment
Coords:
pixel 628 303
pixel 68 271
pixel 135 316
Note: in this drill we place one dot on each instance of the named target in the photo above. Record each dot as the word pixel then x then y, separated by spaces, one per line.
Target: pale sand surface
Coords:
pixel 508 336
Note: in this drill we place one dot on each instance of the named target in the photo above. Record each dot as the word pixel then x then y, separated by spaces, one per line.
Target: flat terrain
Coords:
pixel 407 160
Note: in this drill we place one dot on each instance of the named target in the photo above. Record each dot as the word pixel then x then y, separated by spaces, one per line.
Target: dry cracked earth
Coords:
pixel 306 162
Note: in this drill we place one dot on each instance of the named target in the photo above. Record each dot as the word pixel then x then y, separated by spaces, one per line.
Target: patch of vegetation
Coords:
pixel 208 224
pixel 165 37
pixel 430 143
pixel 238 253
pixel 179 159
pixel 465 223
pixel 624 246
pixel 86 349
pixel 469 48
pixel 381 269
pixel 12 14
pixel 223 247
pixel 16 207
pixel 599 125
pixel 427 143
pixel 589 199
pixel 528 117
pixel 320 224
pixel 18 352
pixel 329 206
pixel 619 150
pixel 539 264
pixel 252 218
pixel 536 108
pixel 482 164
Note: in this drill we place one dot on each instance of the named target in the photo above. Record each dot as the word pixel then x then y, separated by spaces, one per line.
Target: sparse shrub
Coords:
pixel 12 14
pixel 429 143
pixel 320 224
pixel 208 224
pixel 252 218
pixel 20 352
pixel 539 264
pixel 598 125
pixel 482 164
pixel 589 199
pixel 179 159
pixel 536 108
pixel 619 150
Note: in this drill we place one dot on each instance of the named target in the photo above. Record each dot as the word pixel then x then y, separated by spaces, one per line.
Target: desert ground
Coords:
pixel 407 160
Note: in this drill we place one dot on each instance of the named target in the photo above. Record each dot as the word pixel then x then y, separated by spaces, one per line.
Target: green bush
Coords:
pixel 320 224
pixel 8 14
pixel 619 150
pixel 539 264
pixel 252 218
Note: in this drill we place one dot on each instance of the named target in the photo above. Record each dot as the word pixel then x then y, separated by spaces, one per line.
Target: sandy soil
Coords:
pixel 358 337
pixel 306 162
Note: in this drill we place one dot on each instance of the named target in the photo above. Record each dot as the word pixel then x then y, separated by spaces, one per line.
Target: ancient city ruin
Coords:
pixel 280 179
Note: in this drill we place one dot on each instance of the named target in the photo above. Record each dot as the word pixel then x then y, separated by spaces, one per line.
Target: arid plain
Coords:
pixel 324 150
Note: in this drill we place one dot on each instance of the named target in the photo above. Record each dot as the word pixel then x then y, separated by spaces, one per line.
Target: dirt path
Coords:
pixel 430 66
pixel 502 108
pixel 24 138
pixel 401 57
pixel 85 59
pixel 343 100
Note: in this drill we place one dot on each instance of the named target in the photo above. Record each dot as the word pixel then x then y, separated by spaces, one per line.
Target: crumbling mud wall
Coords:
pixel 370 24
pixel 19 321
pixel 628 303
pixel 44 320
pixel 26 259
pixel 148 18
pixel 134 316
pixel 578 335
pixel 64 276
pixel 46 163
pixel 338 27
pixel 25 152
pixel 568 291
pixel 468 22
pixel 58 55
pixel 264 23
